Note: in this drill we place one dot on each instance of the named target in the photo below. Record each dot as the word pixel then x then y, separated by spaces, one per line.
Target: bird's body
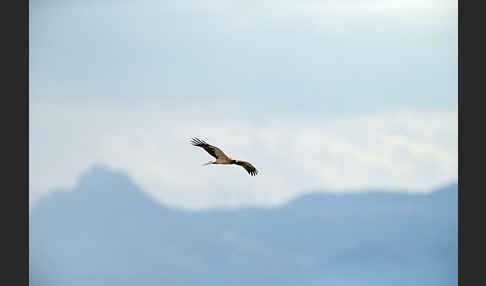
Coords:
pixel 221 158
pixel 224 161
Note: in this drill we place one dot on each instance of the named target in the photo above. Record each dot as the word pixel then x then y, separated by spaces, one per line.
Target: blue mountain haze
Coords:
pixel 107 231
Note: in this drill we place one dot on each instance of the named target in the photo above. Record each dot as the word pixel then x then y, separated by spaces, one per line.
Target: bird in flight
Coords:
pixel 221 158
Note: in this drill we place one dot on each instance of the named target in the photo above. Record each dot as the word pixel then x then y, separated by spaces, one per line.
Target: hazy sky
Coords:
pixel 337 95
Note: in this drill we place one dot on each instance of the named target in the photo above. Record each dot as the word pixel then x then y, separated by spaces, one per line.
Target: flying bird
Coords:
pixel 221 158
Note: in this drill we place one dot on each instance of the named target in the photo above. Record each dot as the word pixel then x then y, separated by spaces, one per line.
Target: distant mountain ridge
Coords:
pixel 109 232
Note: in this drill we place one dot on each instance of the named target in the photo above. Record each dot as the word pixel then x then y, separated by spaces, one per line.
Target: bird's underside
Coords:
pixel 221 158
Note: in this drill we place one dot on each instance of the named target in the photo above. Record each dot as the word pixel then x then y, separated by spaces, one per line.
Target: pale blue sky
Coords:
pixel 113 68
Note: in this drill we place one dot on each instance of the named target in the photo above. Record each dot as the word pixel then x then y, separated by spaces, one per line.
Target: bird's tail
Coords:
pixel 208 163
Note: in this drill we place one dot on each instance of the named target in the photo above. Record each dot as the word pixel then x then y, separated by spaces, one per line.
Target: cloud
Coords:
pixel 332 13
pixel 405 149
pixel 342 7
pixel 127 84
pixel 325 14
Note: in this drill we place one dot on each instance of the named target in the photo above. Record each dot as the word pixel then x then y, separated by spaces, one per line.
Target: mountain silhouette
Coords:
pixel 107 231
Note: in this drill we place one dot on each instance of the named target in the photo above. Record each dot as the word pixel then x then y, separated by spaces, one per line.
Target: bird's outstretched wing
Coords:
pixel 213 151
pixel 248 167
